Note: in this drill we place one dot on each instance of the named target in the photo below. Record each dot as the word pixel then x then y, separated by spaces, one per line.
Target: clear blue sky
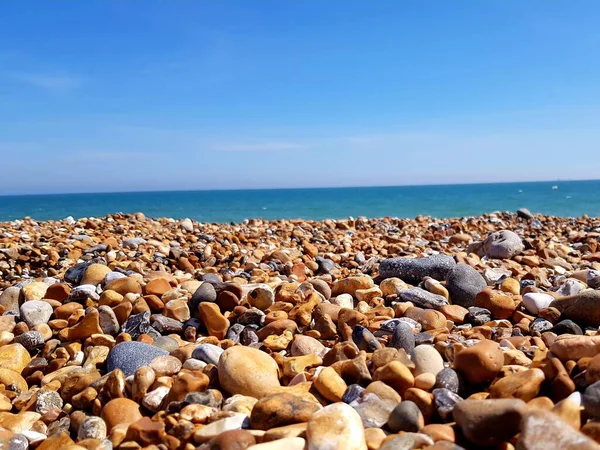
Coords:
pixel 148 95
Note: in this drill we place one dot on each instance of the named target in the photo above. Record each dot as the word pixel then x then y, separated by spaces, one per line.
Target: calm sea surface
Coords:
pixel 567 198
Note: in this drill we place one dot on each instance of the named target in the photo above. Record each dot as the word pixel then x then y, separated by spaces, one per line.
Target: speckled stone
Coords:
pixel 413 270
pixel 130 356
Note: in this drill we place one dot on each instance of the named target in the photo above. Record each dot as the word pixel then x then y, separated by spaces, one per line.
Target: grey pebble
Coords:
pixel 129 356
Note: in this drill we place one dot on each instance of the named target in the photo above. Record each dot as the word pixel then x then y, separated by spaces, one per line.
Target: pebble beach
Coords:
pixel 127 332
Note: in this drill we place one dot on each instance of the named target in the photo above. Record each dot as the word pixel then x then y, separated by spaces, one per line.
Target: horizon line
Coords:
pixel 299 188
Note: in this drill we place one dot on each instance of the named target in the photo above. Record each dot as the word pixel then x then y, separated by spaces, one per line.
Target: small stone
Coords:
pixel 330 385
pixel 281 409
pixel 95 274
pixel 502 244
pixel 523 385
pixel 534 301
pixel 234 440
pixel 34 291
pixel 208 353
pixel 422 298
pixel 14 357
pixel 406 416
pixel 120 410
pixel 165 365
pixel 540 325
pixel 36 312
pixel 336 427
pixel 353 392
pixel 137 324
pixel 48 401
pixel 574 347
pixel 445 401
pixel 591 400
pixel 108 320
pixel 213 429
pixel 481 362
pixel 501 306
pixel 541 430
pixel 489 422
pixel 478 316
pixel 130 356
pixel 403 338
pixel 261 297
pixel 464 283
pixel 92 427
pixel 248 371
pixel 427 360
pixel 566 327
pixel 372 410
pixel 364 339
pixel 30 339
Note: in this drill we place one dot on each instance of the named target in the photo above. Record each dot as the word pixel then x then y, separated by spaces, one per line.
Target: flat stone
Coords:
pixel 413 270
pixel 422 298
pixel 583 308
pixel 130 356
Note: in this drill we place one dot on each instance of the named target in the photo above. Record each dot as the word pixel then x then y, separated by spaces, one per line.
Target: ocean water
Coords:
pixel 568 199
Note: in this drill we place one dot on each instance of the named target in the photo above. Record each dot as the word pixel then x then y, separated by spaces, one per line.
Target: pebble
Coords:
pixel 464 283
pixel 541 430
pixel 489 422
pixel 582 307
pixel 208 353
pixel 445 401
pixel 422 298
pixel 534 301
pixel 481 362
pixel 335 427
pixel 406 416
pixel 36 312
pixel 130 356
pixel 413 270
pixel 503 244
pixel 403 338
pixel 319 323
pixel 427 360
pixel 277 410
pixel 248 371
pixel 120 410
pixel 373 411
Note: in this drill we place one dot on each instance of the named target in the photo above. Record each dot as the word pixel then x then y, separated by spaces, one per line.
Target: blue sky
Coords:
pixel 149 95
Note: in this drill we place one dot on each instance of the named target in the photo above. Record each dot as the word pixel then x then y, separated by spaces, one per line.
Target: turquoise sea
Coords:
pixel 564 198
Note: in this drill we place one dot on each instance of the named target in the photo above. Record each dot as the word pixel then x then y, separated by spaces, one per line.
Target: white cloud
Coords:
pixel 257 147
pixel 55 82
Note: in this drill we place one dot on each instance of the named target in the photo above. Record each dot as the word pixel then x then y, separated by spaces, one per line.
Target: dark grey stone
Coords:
pixel 463 284
pixel 206 292
pixel 540 325
pixel 325 265
pixel 353 392
pixel 248 337
pixel 406 416
pixel 524 213
pixel 364 339
pixel 445 400
pixel 403 337
pixel 29 339
pixel 478 316
pixel 131 355
pixel 137 324
pixel 449 379
pixel 422 298
pixel 591 400
pixel 567 327
pixel 413 270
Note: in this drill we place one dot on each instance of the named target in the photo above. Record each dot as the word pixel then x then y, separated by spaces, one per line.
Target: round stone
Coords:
pixel 406 416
